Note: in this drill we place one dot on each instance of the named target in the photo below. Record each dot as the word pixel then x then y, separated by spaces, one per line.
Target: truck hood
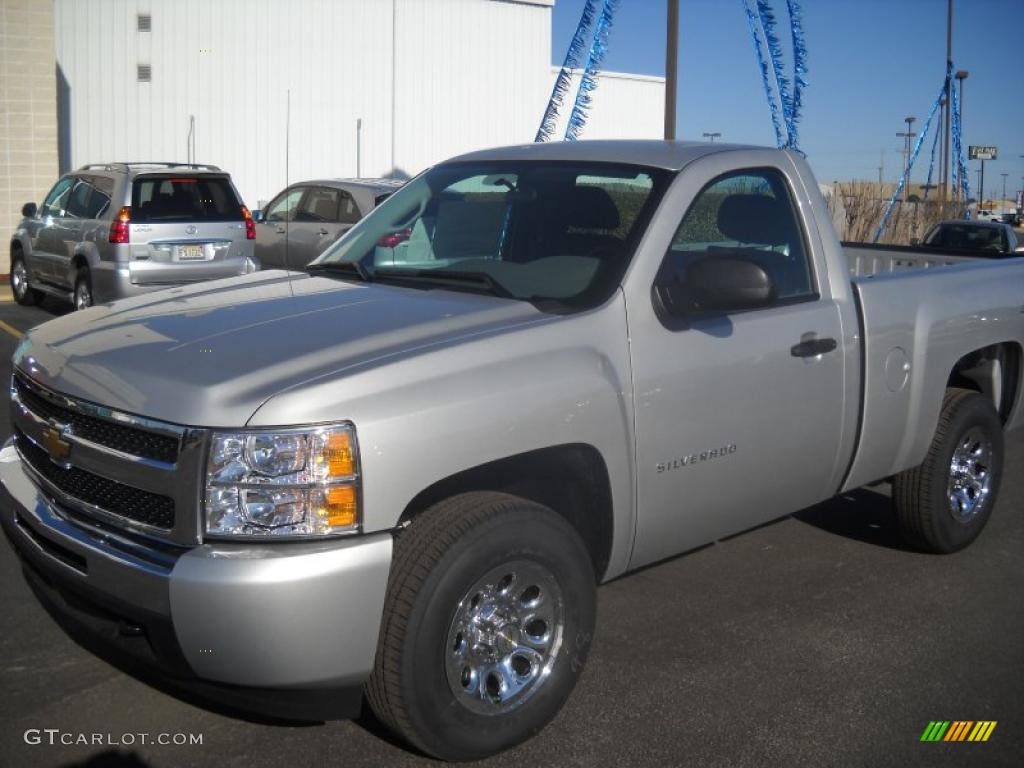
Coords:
pixel 210 354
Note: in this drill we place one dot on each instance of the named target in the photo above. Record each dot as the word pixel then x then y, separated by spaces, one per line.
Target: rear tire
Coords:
pixel 487 624
pixel 83 289
pixel 23 292
pixel 943 504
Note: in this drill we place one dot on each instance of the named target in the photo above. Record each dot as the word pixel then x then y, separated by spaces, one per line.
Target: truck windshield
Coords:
pixel 557 234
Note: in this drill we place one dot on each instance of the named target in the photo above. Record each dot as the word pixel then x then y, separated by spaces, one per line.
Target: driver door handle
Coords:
pixel 813 347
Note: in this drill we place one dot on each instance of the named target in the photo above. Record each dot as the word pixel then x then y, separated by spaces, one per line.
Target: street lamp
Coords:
pixel 906 151
pixel 711 136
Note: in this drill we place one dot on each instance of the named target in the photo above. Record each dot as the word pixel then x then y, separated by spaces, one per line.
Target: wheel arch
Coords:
pixel 995 372
pixel 571 479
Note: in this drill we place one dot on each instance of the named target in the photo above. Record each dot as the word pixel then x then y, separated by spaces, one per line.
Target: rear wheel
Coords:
pixel 487 625
pixel 83 289
pixel 943 504
pixel 24 294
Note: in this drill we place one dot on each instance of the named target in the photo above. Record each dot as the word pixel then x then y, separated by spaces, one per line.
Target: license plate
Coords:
pixel 191 253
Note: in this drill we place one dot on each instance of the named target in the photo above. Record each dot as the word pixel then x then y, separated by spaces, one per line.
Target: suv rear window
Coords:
pixel 184 198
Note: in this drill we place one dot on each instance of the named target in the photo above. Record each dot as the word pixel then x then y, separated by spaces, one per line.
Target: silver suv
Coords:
pixel 120 229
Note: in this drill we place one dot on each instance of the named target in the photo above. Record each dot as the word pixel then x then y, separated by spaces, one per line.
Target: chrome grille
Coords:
pixel 131 440
pixel 135 504
pixel 132 474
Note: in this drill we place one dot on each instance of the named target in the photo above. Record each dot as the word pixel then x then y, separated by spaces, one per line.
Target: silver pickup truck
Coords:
pixel 401 473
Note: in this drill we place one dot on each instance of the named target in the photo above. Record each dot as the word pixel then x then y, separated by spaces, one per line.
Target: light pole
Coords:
pixel 671 68
pixel 1002 202
pixel 944 164
pixel 906 151
pixel 711 136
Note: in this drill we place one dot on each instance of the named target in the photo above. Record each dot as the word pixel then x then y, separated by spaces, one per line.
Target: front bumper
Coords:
pixel 300 619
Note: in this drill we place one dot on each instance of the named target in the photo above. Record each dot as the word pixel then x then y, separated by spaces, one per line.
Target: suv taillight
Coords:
pixel 119 226
pixel 250 225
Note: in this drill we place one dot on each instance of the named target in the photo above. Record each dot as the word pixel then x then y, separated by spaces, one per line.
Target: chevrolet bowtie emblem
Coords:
pixel 56 446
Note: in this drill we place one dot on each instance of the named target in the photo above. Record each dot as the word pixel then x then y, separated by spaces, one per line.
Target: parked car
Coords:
pixel 1011 218
pixel 112 230
pixel 984 238
pixel 404 472
pixel 305 219
pixel 983 214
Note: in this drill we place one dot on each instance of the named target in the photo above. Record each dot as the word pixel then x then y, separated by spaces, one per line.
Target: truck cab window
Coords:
pixel 747 214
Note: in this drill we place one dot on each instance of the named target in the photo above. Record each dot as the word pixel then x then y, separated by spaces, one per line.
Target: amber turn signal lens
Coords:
pixel 338 455
pixel 340 509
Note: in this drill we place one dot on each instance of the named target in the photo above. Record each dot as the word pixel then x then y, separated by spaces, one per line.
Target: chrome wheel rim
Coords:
pixel 970 475
pixel 83 298
pixel 19 279
pixel 504 637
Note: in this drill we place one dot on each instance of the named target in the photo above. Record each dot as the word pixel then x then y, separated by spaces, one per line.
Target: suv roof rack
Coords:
pixel 132 165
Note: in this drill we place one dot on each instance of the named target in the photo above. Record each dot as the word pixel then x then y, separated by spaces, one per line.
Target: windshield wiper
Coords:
pixel 341 267
pixel 456 279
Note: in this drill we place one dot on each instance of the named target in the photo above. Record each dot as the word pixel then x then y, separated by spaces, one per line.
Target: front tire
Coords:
pixel 23 292
pixel 943 504
pixel 487 625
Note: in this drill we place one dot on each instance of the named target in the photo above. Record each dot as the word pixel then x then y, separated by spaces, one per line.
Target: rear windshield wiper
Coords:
pixel 341 268
pixel 456 279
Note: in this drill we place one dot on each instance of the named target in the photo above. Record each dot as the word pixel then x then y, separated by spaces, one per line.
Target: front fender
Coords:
pixel 441 411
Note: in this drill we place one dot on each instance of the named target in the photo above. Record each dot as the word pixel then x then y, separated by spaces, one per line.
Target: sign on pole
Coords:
pixel 981 153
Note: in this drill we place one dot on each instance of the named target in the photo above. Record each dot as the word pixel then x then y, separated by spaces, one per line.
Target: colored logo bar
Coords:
pixel 958 730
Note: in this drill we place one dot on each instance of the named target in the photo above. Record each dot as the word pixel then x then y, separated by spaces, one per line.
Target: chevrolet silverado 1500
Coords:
pixel 401 473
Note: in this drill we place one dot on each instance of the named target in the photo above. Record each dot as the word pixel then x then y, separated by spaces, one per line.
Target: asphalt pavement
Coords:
pixel 818 640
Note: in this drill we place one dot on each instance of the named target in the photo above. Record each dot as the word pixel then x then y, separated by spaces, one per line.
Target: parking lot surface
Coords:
pixel 818 640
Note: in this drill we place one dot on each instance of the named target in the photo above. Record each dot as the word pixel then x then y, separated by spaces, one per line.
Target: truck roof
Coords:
pixel 671 155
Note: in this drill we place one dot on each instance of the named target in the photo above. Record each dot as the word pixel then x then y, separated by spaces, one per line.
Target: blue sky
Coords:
pixel 871 64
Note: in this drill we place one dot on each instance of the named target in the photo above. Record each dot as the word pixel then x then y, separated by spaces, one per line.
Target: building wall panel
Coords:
pixel 428 79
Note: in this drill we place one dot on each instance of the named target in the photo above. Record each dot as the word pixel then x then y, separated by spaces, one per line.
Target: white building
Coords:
pixel 375 87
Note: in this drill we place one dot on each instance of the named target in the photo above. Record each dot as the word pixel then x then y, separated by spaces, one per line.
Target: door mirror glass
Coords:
pixel 719 284
pixel 28 210
pixel 257 216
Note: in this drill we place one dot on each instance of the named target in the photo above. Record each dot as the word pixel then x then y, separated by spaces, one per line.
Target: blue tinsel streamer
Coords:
pixel 767 17
pixel 564 80
pixel 799 68
pixel 588 83
pixel 931 164
pixel 913 157
pixel 755 36
pixel 963 182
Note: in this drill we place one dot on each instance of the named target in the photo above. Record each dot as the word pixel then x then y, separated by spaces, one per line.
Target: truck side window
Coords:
pixel 748 214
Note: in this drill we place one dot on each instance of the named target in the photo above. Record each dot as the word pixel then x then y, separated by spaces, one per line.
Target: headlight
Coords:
pixel 283 482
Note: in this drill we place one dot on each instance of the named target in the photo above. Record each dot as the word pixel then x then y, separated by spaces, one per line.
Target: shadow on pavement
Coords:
pixel 862 515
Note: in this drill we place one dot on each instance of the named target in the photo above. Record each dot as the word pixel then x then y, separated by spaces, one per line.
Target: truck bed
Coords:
pixel 867 259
